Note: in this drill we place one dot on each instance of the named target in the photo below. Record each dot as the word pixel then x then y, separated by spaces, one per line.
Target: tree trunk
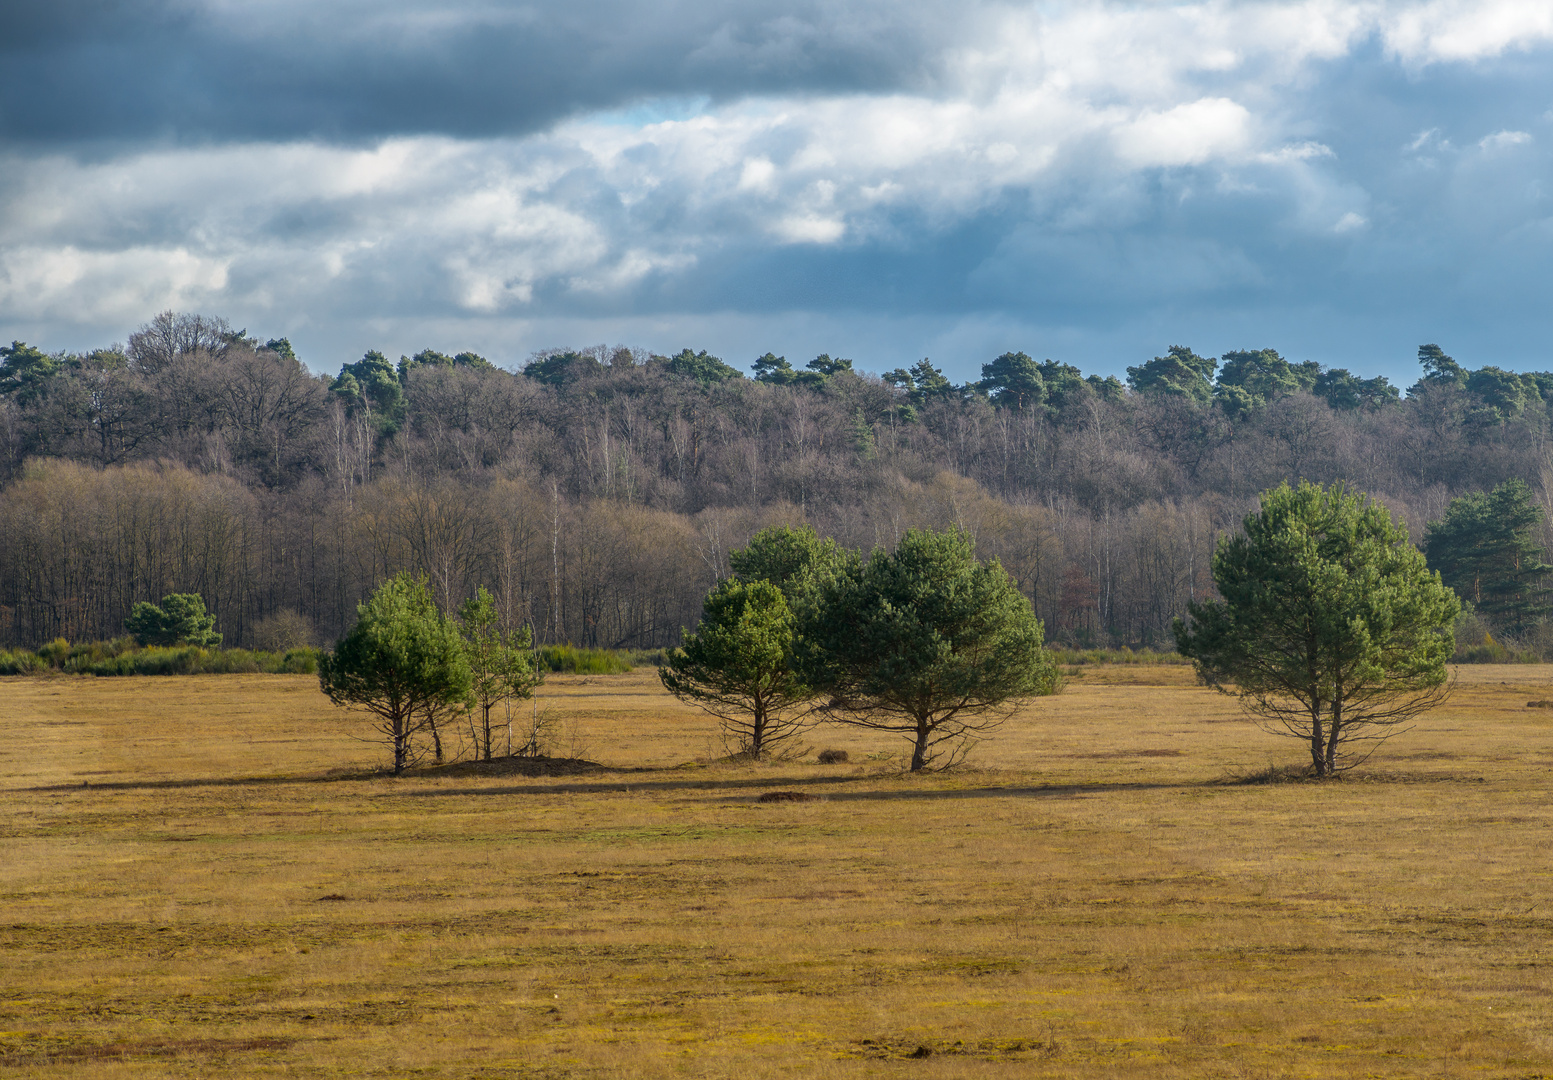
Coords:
pixel 757 729
pixel 1334 731
pixel 919 751
pixel 1317 741
pixel 436 736
pixel 401 743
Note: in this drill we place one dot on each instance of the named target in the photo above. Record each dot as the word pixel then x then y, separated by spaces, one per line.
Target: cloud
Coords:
pixel 1188 134
pixel 216 70
pixel 1503 140
pixel 1457 30
pixel 1068 168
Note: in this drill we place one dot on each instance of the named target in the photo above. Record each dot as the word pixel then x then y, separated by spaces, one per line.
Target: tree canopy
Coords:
pixel 180 619
pixel 402 661
pixel 501 662
pixel 1483 548
pixel 929 642
pixel 1180 372
pixel 740 665
pixel 1330 628
pixel 702 367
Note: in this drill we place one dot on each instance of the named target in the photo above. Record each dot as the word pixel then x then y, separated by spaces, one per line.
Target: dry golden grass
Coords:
pixel 203 877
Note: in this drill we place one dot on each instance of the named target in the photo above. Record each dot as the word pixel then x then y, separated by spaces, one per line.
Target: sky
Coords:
pixel 885 180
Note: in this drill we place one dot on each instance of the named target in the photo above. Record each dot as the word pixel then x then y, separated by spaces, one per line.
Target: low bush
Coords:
pixel 1494 652
pixel 121 657
pixel 647 657
pixel 21 663
pixel 1078 657
pixel 1476 644
pixel 577 661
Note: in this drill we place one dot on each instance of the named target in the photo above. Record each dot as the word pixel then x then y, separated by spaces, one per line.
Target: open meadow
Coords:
pixel 206 876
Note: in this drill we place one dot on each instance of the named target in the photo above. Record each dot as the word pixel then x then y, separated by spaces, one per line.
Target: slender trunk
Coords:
pixel 485 715
pixel 919 751
pixel 1334 730
pixel 1317 739
pixel 436 736
pixel 401 743
pixel 758 728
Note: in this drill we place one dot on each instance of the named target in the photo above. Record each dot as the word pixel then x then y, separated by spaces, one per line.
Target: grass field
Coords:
pixel 203 876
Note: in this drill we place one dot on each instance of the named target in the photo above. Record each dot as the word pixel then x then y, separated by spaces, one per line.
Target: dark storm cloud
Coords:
pixel 96 69
pixel 1089 181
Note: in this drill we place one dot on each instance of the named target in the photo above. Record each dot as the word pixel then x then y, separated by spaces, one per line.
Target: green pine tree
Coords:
pixel 501 662
pixel 1330 628
pixel 927 642
pixel 402 662
pixel 739 665
pixel 1483 548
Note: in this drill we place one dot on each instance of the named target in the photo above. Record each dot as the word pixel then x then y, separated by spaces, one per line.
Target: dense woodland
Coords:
pixel 597 492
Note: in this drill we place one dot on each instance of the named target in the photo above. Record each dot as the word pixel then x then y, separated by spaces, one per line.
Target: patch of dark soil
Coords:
pixel 986 1049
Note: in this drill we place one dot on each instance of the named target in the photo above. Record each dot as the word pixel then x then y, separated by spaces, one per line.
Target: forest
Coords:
pixel 597 492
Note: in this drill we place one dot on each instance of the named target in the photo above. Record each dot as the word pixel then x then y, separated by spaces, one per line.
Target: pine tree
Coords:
pixel 501 662
pixel 739 666
pixel 402 662
pixel 928 642
pixel 1483 549
pixel 1330 627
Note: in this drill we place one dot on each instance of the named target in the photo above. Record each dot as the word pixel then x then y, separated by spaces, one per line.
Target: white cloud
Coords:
pixel 1188 134
pixel 1465 30
pixel 1068 112
pixel 105 286
pixel 1503 140
pixel 757 174
pixel 810 229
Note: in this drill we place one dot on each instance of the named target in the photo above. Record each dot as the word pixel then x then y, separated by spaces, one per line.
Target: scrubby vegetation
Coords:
pixel 583 661
pixel 122 656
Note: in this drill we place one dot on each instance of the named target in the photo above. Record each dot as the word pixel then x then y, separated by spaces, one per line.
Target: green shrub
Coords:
pixel 302 661
pixel 573 660
pixel 1490 651
pixel 21 662
pixel 1148 657
pixel 120 657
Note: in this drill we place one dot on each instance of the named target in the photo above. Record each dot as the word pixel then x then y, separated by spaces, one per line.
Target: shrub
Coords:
pixel 21 662
pixel 120 657
pixel 1146 657
pixel 581 661
pixel 282 631
pixel 180 619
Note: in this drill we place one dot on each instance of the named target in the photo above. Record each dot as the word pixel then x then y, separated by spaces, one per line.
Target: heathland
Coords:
pixel 212 876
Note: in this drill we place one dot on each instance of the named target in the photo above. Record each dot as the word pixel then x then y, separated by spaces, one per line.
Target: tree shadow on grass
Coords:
pixel 634 781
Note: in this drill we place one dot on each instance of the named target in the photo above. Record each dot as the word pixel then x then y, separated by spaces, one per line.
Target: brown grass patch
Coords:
pixel 242 890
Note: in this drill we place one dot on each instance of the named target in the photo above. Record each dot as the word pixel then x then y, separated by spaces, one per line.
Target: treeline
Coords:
pixel 597 492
